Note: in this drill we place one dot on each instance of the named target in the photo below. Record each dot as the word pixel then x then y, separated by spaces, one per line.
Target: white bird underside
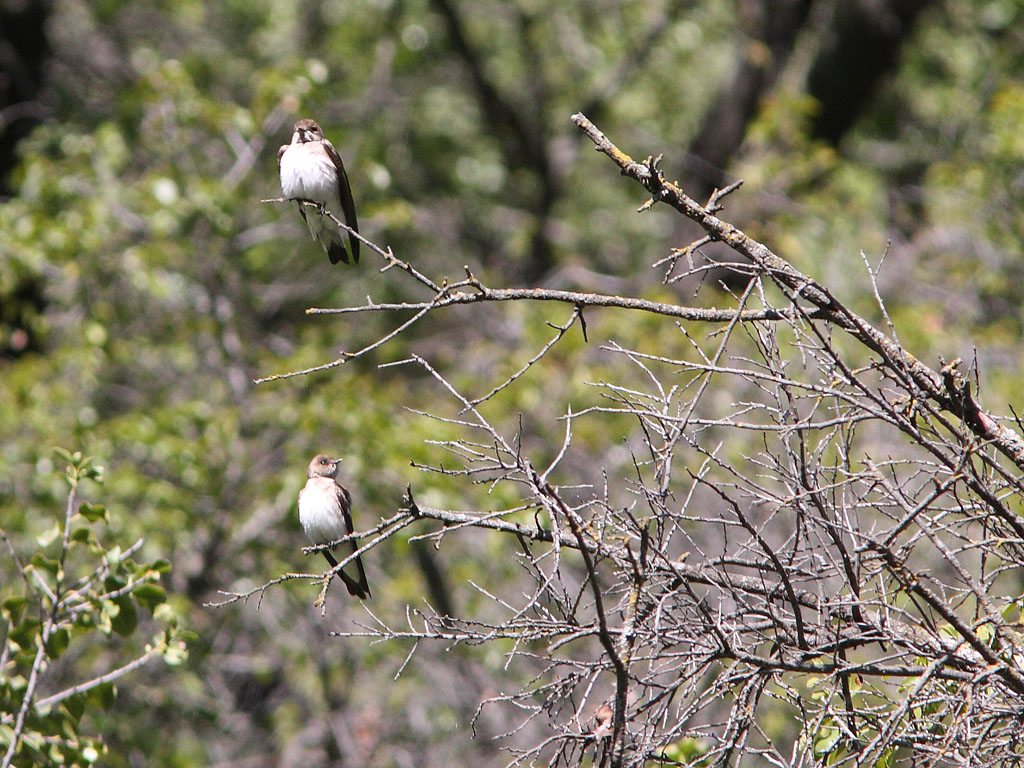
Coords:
pixel 319 512
pixel 313 177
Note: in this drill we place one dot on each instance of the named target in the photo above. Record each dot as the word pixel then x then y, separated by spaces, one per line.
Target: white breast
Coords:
pixel 308 174
pixel 319 512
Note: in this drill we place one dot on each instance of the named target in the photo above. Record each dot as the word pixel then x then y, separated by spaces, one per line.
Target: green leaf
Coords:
pixel 25 633
pixel 110 609
pixel 75 705
pixel 114 555
pixel 93 512
pixel 93 473
pixel 826 741
pixel 103 695
pixel 17 684
pixel 78 466
pixel 985 633
pixel 81 535
pixel 49 536
pixel 126 619
pixel 13 607
pixel 44 563
pixel 686 750
pixel 175 653
pixel 32 741
pixel 103 618
pixel 165 614
pixel 58 643
pixel 63 455
pixel 150 594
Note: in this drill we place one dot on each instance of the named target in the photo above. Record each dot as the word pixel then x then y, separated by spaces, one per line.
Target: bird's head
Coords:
pixel 307 130
pixel 323 465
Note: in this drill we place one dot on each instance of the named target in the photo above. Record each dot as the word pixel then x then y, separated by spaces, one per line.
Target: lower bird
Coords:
pixel 311 170
pixel 325 512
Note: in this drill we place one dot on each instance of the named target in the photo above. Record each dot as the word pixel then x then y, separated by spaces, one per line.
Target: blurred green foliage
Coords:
pixel 165 288
pixel 80 587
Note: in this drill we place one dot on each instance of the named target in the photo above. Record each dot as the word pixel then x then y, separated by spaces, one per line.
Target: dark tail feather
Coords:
pixel 349 207
pixel 336 252
pixel 359 588
pixel 354 243
pixel 363 584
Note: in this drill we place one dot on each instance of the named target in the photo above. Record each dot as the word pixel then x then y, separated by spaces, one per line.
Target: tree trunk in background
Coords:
pixel 24 51
pixel 862 47
pixel 773 26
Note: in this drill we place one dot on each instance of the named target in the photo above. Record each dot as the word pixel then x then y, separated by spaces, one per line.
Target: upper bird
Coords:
pixel 311 169
pixel 325 512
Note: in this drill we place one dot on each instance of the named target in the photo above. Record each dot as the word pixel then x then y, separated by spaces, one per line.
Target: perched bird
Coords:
pixel 311 169
pixel 603 717
pixel 325 511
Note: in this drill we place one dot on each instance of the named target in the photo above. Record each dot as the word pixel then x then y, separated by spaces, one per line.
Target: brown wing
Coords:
pixel 360 587
pixel 348 205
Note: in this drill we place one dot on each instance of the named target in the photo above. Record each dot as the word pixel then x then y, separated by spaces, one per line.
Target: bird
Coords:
pixel 603 721
pixel 311 170
pixel 325 512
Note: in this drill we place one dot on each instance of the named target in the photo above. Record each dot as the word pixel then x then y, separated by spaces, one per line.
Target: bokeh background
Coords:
pixel 144 286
